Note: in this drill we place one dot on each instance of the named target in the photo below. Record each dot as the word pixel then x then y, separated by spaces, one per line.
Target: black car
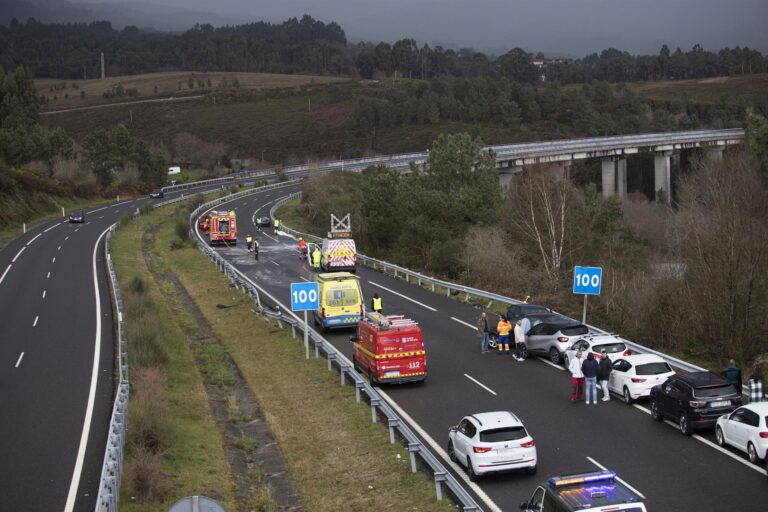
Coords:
pixel 694 399
pixel 264 222
pixel 78 217
pixel 158 192
pixel 518 311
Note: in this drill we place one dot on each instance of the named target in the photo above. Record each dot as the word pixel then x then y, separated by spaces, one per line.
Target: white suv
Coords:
pixel 492 442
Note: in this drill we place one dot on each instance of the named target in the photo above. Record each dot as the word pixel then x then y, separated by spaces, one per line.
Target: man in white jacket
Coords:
pixel 577 378
pixel 519 341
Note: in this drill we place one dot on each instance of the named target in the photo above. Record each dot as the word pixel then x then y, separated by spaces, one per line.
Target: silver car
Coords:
pixel 552 335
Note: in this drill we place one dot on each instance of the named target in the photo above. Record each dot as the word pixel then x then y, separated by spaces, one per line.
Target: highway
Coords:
pixel 674 473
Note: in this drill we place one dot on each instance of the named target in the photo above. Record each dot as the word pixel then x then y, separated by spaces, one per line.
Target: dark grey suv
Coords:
pixel 551 335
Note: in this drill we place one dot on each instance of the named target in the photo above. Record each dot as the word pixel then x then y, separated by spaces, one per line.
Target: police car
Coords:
pixel 596 491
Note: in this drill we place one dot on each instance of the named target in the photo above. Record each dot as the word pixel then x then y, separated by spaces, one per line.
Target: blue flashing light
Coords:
pixel 583 478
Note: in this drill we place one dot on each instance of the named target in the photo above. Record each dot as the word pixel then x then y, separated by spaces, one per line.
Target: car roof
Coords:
pixel 600 489
pixel 551 318
pixel 703 378
pixel 636 359
pixel 759 407
pixel 525 305
pixel 495 419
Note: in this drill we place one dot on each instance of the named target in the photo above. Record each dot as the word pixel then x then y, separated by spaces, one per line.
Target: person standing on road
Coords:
pixel 316 258
pixel 376 303
pixel 755 385
pixel 483 332
pixel 249 242
pixel 577 378
pixel 590 369
pixel 519 341
pixel 604 373
pixel 503 328
pixel 277 225
pixel 256 249
pixel 733 374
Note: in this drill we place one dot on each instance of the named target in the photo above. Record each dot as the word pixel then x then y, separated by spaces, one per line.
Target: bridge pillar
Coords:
pixel 621 177
pixel 561 170
pixel 506 174
pixel 662 175
pixel 715 152
pixel 609 177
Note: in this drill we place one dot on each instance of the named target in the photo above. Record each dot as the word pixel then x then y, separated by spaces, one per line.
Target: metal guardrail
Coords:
pixel 270 308
pixel 454 288
pixel 111 472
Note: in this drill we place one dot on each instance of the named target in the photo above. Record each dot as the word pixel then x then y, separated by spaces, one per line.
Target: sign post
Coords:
pixel 305 297
pixel 587 281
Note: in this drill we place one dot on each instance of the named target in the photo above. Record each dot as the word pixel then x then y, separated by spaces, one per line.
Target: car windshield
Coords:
pixel 714 391
pixel 574 330
pixel 652 368
pixel 499 435
pixel 528 310
pixel 611 348
pixel 341 297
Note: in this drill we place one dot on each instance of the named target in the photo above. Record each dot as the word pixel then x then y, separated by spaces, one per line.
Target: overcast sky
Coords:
pixel 573 27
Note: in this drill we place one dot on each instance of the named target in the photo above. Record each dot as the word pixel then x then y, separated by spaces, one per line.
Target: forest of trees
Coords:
pixel 308 46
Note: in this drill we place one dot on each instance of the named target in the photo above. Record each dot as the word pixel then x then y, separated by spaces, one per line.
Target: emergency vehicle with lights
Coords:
pixel 222 228
pixel 598 491
pixel 340 301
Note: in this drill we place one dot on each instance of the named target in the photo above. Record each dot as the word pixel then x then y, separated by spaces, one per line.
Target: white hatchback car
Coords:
pixel 746 428
pixel 612 345
pixel 633 376
pixel 492 442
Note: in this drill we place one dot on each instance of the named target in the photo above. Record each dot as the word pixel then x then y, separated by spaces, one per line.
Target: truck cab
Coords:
pixel 389 349
pixel 223 228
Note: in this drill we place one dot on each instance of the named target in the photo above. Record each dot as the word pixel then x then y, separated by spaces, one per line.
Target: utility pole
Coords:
pixel 102 65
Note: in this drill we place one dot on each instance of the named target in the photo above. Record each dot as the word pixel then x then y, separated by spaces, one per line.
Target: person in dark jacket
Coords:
pixel 733 374
pixel 604 373
pixel 590 369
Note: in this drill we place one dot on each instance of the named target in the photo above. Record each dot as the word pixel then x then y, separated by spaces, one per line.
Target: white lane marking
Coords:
pixel 44 291
pixel 118 204
pixel 36 237
pixel 101 217
pixel 99 209
pixel 66 238
pixel 75 483
pixel 481 385
pixel 48 276
pixel 463 323
pixel 403 296
pixel 18 361
pixel 50 228
pixel 593 461
pixel 274 263
pixel 53 260
pixel 266 235
pixel 6 271
pixel 34 324
pixel 18 254
pixel 304 278
pixel 59 248
pixel 438 449
pixel 78 229
pixel 550 363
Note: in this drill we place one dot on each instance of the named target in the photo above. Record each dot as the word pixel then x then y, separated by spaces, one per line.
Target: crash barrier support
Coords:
pixel 268 307
pixel 456 289
pixel 111 471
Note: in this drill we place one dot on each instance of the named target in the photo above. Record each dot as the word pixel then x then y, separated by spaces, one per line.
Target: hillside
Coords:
pixel 752 89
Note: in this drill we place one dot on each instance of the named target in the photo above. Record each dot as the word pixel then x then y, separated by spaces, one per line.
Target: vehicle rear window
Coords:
pixel 576 330
pixel 530 310
pixel 715 391
pixel 341 297
pixel 652 368
pixel 611 348
pixel 499 435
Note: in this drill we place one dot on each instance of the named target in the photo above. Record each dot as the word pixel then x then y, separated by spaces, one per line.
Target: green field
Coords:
pixel 752 89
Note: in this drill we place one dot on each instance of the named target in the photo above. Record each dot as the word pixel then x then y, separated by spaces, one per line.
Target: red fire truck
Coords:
pixel 223 228
pixel 389 349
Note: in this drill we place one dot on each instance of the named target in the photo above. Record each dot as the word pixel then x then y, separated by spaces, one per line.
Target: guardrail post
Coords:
pixel 330 358
pixel 343 372
pixel 374 402
pixel 433 286
pixel 293 331
pixel 317 348
pixel 392 423
pixel 448 292
pixel 358 387
pixel 439 477
pixel 412 449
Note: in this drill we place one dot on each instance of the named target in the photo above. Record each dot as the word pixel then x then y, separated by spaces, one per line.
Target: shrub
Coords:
pixel 136 285
pixel 144 343
pixel 144 475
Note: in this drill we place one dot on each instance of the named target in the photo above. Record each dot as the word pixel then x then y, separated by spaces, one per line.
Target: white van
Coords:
pixel 174 170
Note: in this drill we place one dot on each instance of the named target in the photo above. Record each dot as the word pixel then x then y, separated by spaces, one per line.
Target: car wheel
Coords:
pixel 752 453
pixel 685 425
pixel 719 437
pixel 554 356
pixel 655 413
pixel 452 452
pixel 493 341
pixel 471 472
pixel 627 397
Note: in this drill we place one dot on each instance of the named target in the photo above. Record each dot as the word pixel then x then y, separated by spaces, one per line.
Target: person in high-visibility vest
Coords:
pixel 376 303
pixel 316 258
pixel 503 328
pixel 249 242
pixel 277 225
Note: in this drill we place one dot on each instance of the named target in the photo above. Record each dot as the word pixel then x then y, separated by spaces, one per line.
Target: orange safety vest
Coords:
pixel 503 328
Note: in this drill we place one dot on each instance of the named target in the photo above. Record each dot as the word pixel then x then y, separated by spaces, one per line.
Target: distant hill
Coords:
pixel 143 15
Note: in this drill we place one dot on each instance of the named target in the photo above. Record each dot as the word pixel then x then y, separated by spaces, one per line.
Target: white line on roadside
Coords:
pixel 18 361
pixel 6 271
pixel 36 237
pixel 274 263
pixel 44 291
pixel 48 276
pixel 74 484
pixel 481 385
pixel 99 209
pixel 463 323
pixel 593 461
pixel 460 472
pixel 50 228
pixel 34 324
pixel 18 254
pixel 403 296
pixel 550 363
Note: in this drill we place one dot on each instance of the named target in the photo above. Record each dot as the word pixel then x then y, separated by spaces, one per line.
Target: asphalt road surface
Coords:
pixel 672 472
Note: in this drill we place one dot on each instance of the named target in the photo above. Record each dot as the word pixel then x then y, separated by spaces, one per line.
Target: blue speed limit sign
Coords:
pixel 587 280
pixel 304 296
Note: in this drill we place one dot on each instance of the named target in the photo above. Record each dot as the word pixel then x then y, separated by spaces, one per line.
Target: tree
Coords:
pixel 757 138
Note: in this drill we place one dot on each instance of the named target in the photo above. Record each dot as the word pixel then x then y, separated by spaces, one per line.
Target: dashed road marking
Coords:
pixel 48 276
pixel 18 361
pixel 304 278
pixel 274 263
pixel 593 461
pixel 36 237
pixel 18 254
pixel 34 324
pixel 101 217
pixel 53 260
pixel 462 322
pixel 481 385
pixel 550 363
pixel 66 238
pixel 59 248
pixel 44 291
pixel 403 296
